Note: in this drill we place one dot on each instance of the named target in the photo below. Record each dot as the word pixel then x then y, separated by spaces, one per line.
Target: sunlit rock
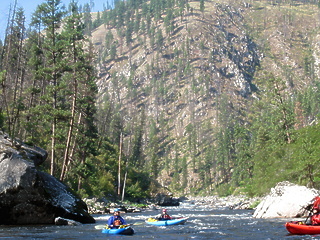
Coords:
pixel 64 221
pixel 29 196
pixel 286 200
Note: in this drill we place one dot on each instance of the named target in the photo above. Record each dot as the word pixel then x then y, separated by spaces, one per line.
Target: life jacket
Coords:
pixel 165 216
pixel 316 203
pixel 117 222
pixel 315 219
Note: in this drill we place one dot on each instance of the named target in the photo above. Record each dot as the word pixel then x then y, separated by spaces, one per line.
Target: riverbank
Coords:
pixel 101 206
pixel 232 202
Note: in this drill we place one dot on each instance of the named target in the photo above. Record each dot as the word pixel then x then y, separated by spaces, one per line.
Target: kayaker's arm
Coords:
pixel 110 221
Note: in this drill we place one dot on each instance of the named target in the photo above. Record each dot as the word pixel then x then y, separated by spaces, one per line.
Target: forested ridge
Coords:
pixel 196 97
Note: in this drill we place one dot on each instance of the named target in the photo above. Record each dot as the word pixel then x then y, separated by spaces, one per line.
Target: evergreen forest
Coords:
pixel 191 97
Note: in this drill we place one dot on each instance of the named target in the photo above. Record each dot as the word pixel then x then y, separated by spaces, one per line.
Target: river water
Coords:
pixel 203 223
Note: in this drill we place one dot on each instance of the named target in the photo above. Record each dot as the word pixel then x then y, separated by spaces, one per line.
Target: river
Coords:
pixel 203 223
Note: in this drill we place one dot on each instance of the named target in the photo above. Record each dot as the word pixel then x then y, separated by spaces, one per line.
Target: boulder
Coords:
pixel 166 200
pixel 29 196
pixel 286 200
pixel 64 221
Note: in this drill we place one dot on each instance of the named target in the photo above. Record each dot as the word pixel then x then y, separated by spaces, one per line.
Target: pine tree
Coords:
pixel 202 6
pixel 50 15
pixel 87 19
pixel 13 71
pixel 73 36
pixel 153 150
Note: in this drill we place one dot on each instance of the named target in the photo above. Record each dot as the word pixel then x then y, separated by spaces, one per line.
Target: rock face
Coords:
pixel 286 200
pixel 29 196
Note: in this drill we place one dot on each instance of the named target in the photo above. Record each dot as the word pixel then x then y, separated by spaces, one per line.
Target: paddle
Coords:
pixel 310 209
pixel 104 226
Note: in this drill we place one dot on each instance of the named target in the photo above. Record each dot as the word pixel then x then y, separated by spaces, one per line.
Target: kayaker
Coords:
pixel 116 220
pixel 315 217
pixel 164 215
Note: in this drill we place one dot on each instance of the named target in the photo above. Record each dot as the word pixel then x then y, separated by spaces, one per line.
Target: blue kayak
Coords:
pixel 121 231
pixel 175 221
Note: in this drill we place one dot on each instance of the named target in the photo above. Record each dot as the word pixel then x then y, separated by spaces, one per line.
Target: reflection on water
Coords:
pixel 202 224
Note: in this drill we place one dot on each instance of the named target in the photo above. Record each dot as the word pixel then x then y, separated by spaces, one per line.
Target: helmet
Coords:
pixel 116 210
pixel 164 210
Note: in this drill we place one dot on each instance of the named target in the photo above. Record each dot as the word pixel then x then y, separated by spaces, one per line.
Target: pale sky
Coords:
pixel 30 6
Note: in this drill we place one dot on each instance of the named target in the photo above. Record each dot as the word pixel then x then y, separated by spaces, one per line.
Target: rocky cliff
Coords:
pixel 176 89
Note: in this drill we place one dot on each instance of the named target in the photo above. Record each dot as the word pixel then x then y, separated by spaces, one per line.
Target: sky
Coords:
pixel 30 6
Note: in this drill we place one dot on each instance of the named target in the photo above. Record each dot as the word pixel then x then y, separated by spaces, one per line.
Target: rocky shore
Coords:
pixel 101 206
pixel 286 200
pixel 233 202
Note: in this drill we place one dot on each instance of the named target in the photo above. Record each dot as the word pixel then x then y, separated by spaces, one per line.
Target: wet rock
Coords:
pixel 29 196
pixel 286 200
pixel 64 221
pixel 133 210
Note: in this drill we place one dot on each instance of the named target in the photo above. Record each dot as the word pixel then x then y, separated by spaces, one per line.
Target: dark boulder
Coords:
pixel 166 200
pixel 29 196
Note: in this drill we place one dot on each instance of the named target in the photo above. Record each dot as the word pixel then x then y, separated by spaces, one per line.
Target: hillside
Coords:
pixel 179 84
